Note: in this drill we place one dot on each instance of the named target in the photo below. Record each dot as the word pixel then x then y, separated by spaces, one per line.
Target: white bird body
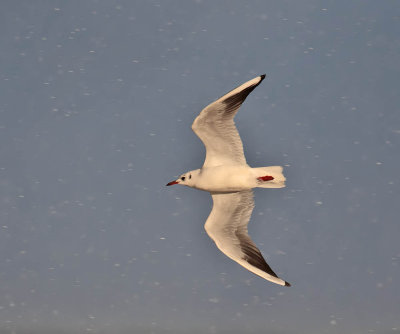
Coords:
pixel 228 178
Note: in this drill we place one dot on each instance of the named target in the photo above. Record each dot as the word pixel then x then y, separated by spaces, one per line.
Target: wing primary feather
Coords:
pixel 233 102
pixel 254 256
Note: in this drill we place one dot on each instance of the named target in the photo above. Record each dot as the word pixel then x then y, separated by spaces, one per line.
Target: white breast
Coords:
pixel 225 179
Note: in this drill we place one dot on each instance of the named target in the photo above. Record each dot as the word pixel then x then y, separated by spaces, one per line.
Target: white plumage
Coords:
pixel 226 175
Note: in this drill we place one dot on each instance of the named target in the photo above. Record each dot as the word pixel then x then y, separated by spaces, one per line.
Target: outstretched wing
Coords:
pixel 227 226
pixel 216 128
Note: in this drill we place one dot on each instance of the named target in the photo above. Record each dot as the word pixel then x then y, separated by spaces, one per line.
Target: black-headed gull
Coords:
pixel 229 179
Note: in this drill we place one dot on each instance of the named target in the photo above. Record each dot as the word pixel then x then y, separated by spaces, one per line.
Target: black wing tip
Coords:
pixel 287 284
pixel 236 100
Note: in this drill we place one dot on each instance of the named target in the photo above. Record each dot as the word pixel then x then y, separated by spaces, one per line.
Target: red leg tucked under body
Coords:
pixel 265 178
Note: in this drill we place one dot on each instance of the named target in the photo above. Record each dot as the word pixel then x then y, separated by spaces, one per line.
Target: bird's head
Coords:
pixel 187 179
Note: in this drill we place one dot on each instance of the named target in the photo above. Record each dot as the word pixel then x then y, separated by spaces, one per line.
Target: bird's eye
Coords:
pixel 190 176
pixel 183 178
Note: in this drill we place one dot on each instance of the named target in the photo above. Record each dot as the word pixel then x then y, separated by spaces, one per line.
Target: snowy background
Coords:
pixel 96 103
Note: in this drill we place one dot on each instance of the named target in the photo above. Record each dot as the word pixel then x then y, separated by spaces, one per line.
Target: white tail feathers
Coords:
pixel 269 177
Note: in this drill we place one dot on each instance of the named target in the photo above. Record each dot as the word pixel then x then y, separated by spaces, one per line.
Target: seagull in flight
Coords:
pixel 229 179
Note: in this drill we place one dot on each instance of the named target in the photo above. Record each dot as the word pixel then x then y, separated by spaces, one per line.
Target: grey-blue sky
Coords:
pixel 97 99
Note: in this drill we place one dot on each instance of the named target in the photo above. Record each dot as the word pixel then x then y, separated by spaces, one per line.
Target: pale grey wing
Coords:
pixel 216 128
pixel 227 226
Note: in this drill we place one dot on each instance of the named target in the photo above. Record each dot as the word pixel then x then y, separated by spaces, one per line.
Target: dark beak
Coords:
pixel 172 183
